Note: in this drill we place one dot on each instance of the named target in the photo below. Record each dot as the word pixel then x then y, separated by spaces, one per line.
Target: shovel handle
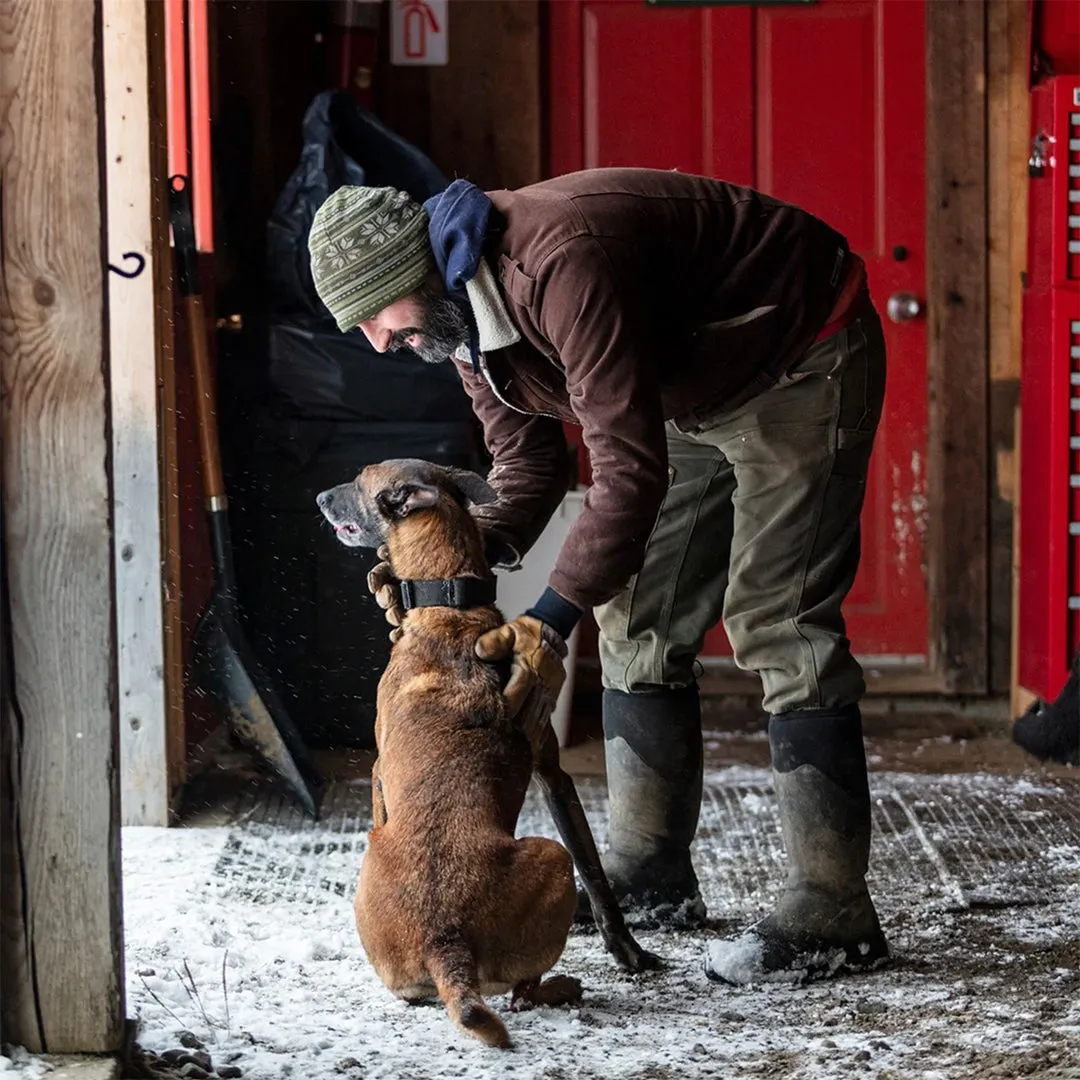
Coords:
pixel 205 398
pixel 205 405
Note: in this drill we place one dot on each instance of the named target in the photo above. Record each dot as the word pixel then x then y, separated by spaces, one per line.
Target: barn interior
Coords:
pixel 195 905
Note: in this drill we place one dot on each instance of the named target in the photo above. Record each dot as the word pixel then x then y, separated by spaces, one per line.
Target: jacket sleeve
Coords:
pixel 588 305
pixel 530 469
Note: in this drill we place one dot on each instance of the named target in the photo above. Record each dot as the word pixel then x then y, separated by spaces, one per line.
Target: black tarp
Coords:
pixel 308 407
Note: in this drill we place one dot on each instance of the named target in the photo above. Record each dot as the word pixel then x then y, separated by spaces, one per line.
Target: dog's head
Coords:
pixel 364 510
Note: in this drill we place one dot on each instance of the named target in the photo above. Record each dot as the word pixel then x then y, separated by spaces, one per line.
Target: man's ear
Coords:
pixel 399 502
pixel 473 486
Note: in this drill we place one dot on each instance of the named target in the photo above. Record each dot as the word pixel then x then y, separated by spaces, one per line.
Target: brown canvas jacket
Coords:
pixel 641 296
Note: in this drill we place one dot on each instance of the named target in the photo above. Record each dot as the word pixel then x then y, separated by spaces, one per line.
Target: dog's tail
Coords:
pixel 453 969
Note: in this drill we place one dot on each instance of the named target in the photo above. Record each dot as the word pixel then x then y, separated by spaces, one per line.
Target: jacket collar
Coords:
pixel 493 323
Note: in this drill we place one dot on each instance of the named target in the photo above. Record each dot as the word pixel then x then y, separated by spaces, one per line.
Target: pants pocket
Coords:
pixel 862 394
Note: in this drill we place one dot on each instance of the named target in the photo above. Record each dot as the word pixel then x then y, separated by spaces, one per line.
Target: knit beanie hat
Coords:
pixel 369 246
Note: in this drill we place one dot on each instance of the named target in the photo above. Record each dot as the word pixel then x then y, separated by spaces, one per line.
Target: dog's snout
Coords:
pixel 324 499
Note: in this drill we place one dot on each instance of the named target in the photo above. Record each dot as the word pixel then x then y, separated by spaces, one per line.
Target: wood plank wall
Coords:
pixel 480 116
pixel 61 952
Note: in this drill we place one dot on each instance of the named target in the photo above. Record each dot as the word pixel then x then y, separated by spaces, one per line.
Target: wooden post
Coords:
pixel 169 488
pixel 1008 146
pixel 958 467
pixel 144 745
pixel 61 956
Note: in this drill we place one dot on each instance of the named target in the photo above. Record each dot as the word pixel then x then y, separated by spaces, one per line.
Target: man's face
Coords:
pixel 425 321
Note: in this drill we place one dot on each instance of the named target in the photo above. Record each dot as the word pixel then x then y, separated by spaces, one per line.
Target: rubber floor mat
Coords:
pixel 958 842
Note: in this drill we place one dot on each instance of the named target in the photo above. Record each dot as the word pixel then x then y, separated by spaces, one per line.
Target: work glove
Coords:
pixel 383 586
pixel 536 653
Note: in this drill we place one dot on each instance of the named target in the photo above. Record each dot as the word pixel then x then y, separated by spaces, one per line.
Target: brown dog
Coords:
pixel 448 901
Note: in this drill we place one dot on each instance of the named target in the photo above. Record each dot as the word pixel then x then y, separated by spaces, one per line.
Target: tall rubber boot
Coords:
pixel 824 922
pixel 653 751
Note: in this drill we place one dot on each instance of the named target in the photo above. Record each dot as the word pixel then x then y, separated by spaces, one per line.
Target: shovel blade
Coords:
pixel 226 671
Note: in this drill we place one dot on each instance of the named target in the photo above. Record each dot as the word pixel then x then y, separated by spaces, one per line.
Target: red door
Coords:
pixel 820 104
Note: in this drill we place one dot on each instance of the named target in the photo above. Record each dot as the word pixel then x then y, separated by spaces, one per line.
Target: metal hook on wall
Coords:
pixel 140 265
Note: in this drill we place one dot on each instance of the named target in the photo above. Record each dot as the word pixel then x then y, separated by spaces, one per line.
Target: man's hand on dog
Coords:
pixel 535 650
pixel 383 586
pixel 536 654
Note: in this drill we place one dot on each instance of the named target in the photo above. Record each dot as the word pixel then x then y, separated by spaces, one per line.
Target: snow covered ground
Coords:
pixel 243 936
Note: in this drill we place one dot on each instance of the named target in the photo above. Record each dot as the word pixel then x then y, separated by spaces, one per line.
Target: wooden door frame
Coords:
pixel 958 494
pixel 151 757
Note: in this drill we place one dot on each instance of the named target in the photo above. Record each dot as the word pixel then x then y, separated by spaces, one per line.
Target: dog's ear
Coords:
pixel 404 499
pixel 472 486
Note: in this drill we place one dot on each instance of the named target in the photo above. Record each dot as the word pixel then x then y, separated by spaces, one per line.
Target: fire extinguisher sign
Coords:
pixel 418 32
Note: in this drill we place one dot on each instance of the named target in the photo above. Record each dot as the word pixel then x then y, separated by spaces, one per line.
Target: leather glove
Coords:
pixel 536 653
pixel 383 586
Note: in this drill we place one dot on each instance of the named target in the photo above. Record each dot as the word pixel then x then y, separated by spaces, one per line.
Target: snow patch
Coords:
pixel 737 960
pixel 17 1062
pixel 741 961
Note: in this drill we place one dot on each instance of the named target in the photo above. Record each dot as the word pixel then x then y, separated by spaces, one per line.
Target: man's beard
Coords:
pixel 442 328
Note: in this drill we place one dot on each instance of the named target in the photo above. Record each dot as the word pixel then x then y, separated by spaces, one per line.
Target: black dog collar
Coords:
pixel 462 592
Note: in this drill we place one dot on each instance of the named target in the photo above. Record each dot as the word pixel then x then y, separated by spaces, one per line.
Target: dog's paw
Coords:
pixel 558 990
pixel 631 957
pixel 649 961
pixel 523 996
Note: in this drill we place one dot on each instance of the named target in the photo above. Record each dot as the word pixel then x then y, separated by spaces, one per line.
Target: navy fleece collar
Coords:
pixel 457 225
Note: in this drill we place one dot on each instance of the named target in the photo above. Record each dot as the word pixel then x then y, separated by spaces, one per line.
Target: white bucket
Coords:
pixel 522 588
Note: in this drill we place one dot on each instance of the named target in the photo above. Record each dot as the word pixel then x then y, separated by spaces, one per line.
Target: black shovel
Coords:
pixel 223 664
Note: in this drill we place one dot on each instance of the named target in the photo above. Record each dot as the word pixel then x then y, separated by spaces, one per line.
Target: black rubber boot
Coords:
pixel 824 922
pixel 1051 732
pixel 653 751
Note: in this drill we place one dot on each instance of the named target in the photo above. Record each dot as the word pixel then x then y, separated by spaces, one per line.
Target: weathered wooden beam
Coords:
pixel 1008 146
pixel 61 954
pixel 165 349
pixel 17 1011
pixel 133 378
pixel 958 467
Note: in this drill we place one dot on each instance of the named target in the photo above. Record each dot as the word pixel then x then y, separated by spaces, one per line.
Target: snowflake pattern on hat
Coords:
pixel 339 253
pixel 379 230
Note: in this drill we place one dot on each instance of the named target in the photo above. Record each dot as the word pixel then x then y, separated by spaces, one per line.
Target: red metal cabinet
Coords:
pixel 1049 608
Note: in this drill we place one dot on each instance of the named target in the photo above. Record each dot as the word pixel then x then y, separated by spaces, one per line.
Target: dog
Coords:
pixel 448 902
